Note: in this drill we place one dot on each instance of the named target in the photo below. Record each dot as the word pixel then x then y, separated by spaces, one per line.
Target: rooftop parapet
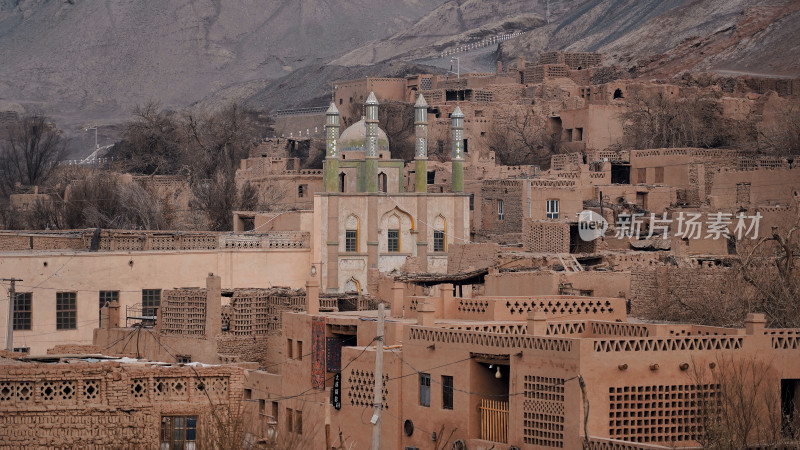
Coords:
pixel 125 240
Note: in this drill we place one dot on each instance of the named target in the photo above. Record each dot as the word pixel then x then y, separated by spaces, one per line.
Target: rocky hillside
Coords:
pixel 91 60
pixel 667 37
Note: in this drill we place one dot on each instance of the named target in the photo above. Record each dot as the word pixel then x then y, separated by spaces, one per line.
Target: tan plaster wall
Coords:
pixel 89 272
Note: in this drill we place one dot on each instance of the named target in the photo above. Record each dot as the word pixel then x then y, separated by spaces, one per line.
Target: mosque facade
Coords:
pixel 365 222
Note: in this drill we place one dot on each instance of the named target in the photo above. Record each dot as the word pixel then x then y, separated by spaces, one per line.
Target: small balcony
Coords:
pixel 494 420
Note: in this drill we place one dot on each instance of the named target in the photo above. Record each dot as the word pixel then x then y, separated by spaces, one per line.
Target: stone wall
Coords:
pixel 107 404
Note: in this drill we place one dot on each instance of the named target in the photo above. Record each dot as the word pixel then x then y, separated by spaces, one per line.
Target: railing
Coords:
pixel 301 111
pixel 494 420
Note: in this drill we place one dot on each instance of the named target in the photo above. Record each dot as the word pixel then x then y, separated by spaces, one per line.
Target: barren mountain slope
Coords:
pixel 736 33
pixel 451 23
pixel 91 59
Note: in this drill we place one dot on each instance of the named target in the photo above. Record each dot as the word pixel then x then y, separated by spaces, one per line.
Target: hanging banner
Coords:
pixel 318 352
pixel 336 391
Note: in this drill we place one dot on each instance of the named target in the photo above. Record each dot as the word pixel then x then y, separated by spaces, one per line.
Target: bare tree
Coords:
pixel 769 266
pixel 224 137
pixel 763 277
pixel 519 136
pixel 782 137
pixel 152 143
pixel 439 144
pixel 739 405
pixel 219 196
pixel 217 142
pixel 28 155
pixel 658 120
pixel 100 200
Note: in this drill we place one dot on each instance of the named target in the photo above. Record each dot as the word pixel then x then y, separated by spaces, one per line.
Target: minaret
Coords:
pixel 457 128
pixel 421 149
pixel 371 150
pixel 331 174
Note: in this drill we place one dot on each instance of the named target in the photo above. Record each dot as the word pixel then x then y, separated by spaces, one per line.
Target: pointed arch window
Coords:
pixel 382 182
pixel 341 182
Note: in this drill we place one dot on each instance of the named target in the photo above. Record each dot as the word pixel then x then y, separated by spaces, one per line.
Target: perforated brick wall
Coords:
pixel 545 237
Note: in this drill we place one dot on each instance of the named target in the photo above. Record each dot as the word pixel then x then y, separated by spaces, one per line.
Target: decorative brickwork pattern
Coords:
pixel 658 413
pixel 617 329
pixel 575 329
pixel 561 307
pixel 545 236
pixel 490 340
pixel 565 161
pixel 493 328
pixel 543 411
pixel 360 386
pixel 669 344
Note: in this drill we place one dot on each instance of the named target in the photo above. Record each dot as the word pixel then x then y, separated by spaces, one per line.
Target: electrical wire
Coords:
pixel 478 394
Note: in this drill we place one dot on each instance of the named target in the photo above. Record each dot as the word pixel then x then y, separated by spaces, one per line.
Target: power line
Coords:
pixel 479 394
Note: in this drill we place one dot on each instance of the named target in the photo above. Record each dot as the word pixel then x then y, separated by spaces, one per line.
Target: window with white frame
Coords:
pixel 552 209
pixel 500 210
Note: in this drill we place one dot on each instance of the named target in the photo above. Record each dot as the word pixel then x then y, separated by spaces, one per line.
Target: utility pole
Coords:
pixel 377 398
pixel 11 295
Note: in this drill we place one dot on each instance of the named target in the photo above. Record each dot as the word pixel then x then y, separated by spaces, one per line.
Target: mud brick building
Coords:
pixel 518 372
pixel 83 402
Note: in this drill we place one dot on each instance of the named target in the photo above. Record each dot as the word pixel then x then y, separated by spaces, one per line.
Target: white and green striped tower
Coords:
pixel 457 129
pixel 371 145
pixel 332 149
pixel 421 145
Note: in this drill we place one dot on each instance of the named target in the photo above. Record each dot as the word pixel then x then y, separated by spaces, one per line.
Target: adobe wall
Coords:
pixel 14 241
pixel 658 198
pixel 298 125
pixel 511 192
pixel 471 256
pixel 654 288
pixel 758 186
pixel 601 124
pixel 108 404
pixel 543 236
pixel 601 284
pixel 565 189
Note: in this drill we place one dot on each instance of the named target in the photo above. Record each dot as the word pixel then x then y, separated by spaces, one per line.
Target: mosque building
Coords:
pixel 365 223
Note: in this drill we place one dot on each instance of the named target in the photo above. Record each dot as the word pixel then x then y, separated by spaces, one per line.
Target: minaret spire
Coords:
pixel 331 178
pixel 371 150
pixel 421 144
pixel 457 129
